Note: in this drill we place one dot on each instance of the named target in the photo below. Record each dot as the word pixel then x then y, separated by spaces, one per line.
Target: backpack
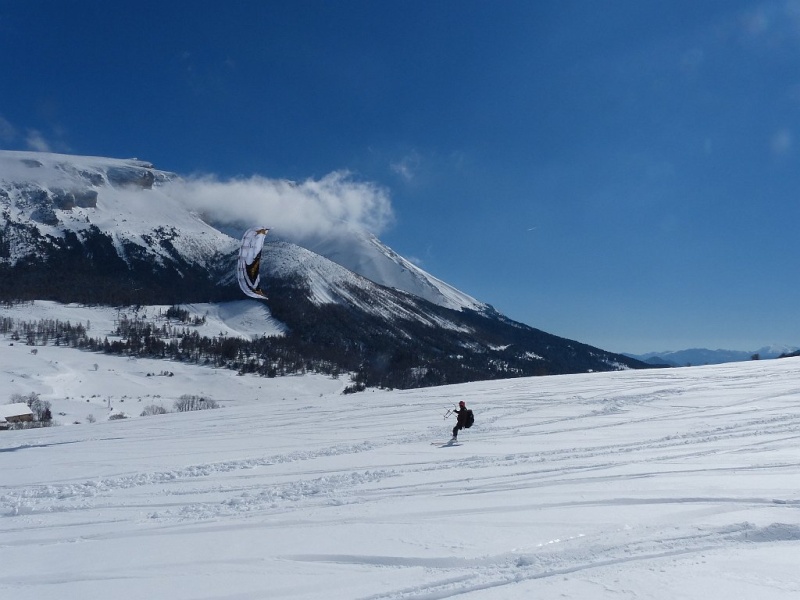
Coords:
pixel 469 420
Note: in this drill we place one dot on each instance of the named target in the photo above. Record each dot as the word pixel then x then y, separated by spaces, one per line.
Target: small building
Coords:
pixel 19 412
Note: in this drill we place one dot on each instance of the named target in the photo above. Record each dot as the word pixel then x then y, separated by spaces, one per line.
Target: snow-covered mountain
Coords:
pixel 331 283
pixel 363 253
pixel 120 232
pixel 58 194
pixel 135 205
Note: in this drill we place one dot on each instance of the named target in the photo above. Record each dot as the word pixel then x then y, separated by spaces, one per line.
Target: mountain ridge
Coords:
pixel 130 240
pixel 705 356
pixel 45 185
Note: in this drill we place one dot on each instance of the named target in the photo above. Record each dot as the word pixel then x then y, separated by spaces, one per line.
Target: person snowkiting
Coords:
pixel 461 411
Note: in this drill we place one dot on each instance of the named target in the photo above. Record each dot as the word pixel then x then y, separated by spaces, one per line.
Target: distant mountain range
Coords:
pixel 703 356
pixel 115 232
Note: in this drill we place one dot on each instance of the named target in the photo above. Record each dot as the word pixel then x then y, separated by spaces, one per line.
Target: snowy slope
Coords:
pixel 363 253
pixel 239 318
pixel 662 484
pixel 329 282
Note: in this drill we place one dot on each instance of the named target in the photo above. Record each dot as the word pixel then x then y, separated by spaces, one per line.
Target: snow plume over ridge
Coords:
pixel 299 210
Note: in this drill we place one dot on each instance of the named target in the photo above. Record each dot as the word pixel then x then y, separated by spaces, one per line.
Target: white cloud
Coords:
pixel 773 22
pixel 7 131
pixel 408 166
pixel 294 209
pixel 781 142
pixel 35 141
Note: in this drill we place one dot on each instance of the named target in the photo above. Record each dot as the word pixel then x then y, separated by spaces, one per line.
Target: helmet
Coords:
pixel 461 403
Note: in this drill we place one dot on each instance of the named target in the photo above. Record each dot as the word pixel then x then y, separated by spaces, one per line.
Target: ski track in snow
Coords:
pixel 29 500
pixel 505 570
pixel 650 472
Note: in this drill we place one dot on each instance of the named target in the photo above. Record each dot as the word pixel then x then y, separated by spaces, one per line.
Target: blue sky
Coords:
pixel 622 173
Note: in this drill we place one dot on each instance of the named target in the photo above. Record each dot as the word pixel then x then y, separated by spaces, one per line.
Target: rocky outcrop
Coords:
pixel 67 200
pixel 131 177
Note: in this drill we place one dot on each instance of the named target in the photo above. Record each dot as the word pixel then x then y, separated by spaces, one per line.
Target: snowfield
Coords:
pixel 666 484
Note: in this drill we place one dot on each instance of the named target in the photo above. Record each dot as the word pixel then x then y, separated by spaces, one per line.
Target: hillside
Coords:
pixel 664 484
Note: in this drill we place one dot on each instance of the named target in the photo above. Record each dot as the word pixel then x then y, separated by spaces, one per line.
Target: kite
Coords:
pixel 247 271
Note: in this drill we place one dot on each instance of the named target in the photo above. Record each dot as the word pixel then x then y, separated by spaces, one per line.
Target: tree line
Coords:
pixel 377 362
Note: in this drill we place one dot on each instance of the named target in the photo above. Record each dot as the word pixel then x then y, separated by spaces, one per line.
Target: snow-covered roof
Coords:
pixel 17 409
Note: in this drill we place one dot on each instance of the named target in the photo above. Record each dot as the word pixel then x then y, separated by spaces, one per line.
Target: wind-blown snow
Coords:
pixel 663 484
